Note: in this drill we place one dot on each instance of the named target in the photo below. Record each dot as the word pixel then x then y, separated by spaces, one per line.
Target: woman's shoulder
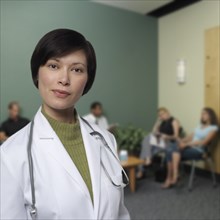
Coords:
pixel 213 127
pixel 174 120
pixel 109 137
pixel 105 133
pixel 207 128
pixel 17 142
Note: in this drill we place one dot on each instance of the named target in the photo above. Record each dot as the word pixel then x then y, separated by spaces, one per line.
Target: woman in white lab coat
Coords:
pixel 59 166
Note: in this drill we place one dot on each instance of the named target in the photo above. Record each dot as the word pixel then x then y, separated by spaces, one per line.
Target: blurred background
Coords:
pixel 149 54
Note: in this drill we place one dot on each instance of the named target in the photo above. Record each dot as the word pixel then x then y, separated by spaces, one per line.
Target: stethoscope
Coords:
pixel 99 136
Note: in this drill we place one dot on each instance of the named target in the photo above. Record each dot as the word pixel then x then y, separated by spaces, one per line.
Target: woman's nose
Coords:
pixel 64 78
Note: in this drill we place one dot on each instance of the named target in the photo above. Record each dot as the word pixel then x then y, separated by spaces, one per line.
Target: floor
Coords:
pixel 150 202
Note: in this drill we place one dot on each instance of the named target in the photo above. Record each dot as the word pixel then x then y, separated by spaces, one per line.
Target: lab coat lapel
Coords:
pixel 92 147
pixel 47 139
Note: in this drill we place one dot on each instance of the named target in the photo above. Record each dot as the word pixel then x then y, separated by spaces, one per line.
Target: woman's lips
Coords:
pixel 60 93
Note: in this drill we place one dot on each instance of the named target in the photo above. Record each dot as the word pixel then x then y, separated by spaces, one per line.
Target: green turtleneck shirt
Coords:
pixel 71 138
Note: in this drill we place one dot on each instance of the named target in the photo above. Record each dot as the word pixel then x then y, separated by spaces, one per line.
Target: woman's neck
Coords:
pixel 64 115
pixel 204 125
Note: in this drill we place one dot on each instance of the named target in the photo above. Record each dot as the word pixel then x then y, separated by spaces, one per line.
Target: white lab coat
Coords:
pixel 101 121
pixel 60 190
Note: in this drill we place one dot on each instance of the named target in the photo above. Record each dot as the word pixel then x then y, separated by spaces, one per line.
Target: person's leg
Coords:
pixel 168 180
pixel 146 149
pixel 191 153
pixel 186 154
pixel 173 155
pixel 175 166
pixel 145 154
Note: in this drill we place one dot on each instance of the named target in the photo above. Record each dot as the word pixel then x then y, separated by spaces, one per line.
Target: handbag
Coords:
pixel 161 174
pixel 160 170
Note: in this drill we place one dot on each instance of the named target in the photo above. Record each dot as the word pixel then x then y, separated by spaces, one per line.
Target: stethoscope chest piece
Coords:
pixel 33 212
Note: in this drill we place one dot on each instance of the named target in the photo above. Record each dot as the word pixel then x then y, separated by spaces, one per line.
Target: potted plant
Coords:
pixel 129 138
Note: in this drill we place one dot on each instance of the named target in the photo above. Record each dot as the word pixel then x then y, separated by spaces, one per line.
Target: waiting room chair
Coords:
pixel 207 158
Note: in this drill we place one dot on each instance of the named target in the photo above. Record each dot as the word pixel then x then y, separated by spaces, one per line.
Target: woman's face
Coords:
pixel 163 115
pixel 205 117
pixel 61 81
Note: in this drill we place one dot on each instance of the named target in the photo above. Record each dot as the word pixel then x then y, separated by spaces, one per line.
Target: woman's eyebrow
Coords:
pixel 76 63
pixel 55 59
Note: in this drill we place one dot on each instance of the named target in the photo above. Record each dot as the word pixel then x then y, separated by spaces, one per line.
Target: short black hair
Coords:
pixel 58 43
pixel 95 104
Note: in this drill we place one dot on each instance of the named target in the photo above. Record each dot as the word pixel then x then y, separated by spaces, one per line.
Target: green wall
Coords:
pixel 125 44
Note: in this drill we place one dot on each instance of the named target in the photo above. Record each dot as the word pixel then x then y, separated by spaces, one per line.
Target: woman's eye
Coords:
pixel 53 66
pixel 77 70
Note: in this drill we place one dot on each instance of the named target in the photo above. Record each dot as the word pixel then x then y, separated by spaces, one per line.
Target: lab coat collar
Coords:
pixel 47 139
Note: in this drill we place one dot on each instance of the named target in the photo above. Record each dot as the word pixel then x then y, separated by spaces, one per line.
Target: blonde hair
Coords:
pixel 162 109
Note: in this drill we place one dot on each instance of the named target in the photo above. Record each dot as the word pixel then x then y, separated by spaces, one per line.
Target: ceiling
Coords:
pixel 139 6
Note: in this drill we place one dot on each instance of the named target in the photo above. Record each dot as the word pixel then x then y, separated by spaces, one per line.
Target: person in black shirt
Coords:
pixel 14 122
pixel 165 131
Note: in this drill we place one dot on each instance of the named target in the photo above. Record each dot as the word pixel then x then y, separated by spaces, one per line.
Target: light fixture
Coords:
pixel 181 71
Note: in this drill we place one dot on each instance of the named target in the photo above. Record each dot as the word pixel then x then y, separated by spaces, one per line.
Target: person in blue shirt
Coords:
pixel 192 146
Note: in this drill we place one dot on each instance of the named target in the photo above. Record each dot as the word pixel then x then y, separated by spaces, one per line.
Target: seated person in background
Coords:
pixel 192 146
pixel 14 122
pixel 165 131
pixel 96 116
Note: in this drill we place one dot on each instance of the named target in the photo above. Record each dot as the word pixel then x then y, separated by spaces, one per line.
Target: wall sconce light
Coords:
pixel 181 71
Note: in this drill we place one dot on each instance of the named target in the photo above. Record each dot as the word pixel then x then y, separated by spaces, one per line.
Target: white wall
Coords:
pixel 181 35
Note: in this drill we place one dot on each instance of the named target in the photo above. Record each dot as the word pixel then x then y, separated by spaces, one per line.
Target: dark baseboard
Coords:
pixel 201 172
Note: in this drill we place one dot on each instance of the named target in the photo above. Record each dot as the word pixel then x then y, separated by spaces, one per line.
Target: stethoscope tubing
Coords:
pixel 33 209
